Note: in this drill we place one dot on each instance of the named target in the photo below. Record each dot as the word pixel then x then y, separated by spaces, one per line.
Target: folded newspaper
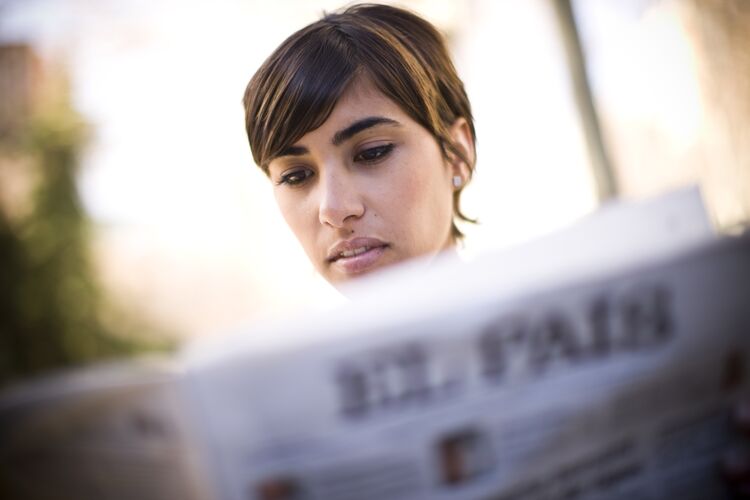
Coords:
pixel 599 362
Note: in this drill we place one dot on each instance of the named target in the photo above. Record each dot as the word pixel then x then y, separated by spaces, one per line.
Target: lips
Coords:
pixel 356 255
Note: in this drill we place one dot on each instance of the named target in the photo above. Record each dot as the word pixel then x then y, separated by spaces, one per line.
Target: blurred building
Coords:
pixel 20 87
pixel 20 75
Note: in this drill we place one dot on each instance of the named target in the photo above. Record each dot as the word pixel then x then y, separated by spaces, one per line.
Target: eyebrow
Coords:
pixel 343 134
pixel 359 126
pixel 293 151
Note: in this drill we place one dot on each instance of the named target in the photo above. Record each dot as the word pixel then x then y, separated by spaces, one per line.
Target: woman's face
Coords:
pixel 368 188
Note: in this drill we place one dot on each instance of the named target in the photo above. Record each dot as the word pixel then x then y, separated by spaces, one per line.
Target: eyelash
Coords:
pixel 376 153
pixel 369 155
pixel 295 177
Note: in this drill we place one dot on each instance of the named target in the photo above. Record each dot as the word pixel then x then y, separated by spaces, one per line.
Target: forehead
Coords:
pixel 361 99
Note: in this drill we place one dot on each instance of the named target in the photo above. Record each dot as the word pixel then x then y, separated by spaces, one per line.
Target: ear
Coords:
pixel 460 134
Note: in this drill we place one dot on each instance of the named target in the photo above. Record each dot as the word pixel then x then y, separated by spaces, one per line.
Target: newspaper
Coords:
pixel 596 363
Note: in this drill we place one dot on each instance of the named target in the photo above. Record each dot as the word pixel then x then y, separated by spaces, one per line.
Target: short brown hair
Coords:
pixel 297 87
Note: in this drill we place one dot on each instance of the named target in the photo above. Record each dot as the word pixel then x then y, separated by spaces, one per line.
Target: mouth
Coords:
pixel 355 252
pixel 357 256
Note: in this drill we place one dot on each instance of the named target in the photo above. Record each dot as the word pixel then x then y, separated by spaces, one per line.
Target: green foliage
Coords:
pixel 51 308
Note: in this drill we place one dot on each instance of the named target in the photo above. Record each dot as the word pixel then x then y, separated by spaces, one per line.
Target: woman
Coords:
pixel 364 128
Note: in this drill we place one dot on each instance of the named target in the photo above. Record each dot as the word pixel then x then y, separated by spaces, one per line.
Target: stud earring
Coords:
pixel 457 181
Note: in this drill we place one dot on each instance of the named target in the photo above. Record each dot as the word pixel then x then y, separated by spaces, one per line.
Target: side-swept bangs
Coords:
pixel 296 89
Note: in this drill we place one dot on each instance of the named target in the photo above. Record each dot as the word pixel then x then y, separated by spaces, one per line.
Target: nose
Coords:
pixel 340 200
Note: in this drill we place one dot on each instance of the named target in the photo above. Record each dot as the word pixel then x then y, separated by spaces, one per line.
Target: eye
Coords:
pixel 295 177
pixel 371 155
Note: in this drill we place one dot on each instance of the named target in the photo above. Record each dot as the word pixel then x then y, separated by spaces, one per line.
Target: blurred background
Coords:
pixel 131 214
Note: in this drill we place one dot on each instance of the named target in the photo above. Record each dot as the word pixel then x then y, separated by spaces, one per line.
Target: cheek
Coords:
pixel 418 200
pixel 300 217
